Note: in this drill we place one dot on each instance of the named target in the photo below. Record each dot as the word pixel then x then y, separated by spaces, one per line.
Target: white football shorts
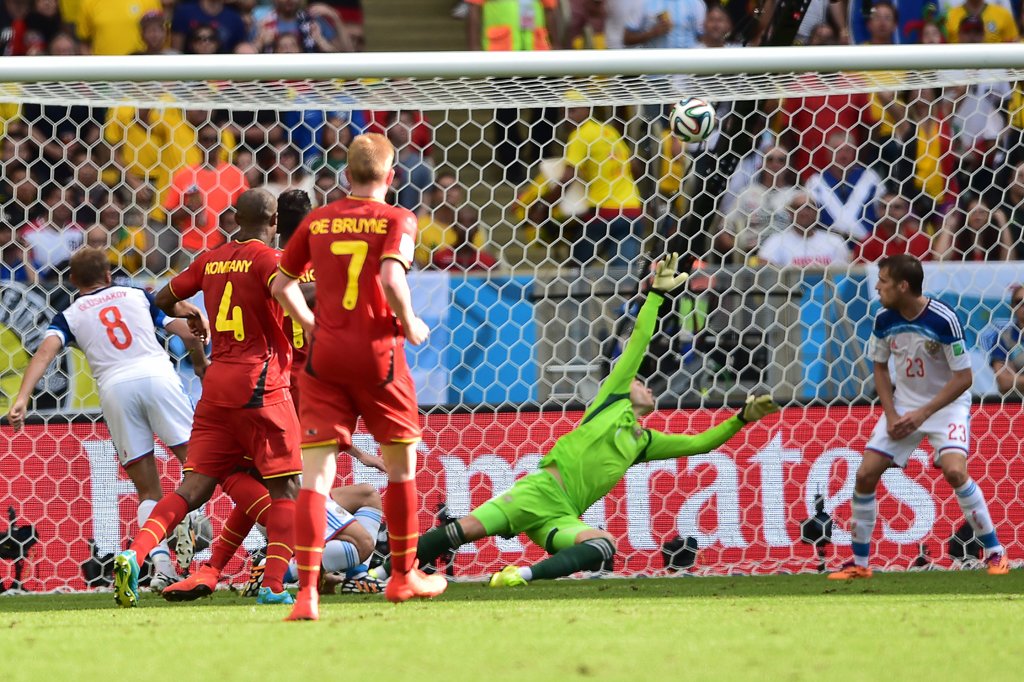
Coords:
pixel 137 408
pixel 947 429
pixel 338 519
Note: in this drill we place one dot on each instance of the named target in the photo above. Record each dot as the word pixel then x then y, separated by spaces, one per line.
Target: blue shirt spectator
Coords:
pixel 226 20
pixel 668 24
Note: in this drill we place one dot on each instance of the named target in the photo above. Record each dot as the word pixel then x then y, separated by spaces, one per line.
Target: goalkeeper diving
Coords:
pixel 585 464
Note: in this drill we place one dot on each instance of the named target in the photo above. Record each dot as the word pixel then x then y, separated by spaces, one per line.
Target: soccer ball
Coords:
pixel 693 120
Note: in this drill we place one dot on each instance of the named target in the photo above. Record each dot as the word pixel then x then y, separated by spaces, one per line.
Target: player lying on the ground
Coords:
pixel 585 464
pixel 140 391
pixel 245 416
pixel 353 515
pixel 928 398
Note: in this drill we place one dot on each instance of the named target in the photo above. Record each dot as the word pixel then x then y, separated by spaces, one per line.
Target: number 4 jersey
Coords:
pixel 251 354
pixel 116 329
pixel 925 352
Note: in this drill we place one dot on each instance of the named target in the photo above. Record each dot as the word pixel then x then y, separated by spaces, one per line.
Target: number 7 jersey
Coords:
pixel 251 356
pixel 346 241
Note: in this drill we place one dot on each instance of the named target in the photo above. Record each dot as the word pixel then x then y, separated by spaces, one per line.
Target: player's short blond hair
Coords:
pixel 370 158
pixel 89 266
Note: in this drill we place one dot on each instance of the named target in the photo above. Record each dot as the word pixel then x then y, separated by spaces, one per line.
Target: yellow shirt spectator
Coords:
pixel 437 233
pixel 112 26
pixel 601 159
pixel 1000 26
pixel 673 165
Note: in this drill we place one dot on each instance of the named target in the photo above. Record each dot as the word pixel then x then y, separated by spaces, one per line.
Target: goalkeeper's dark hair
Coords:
pixel 292 206
pixel 904 268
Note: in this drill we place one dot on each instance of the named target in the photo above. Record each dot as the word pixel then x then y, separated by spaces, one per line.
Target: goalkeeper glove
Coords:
pixel 665 277
pixel 757 407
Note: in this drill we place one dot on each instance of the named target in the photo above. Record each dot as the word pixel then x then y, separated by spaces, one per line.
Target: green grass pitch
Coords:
pixel 893 628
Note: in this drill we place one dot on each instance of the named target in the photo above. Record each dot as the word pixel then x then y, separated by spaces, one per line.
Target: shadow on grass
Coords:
pixel 935 583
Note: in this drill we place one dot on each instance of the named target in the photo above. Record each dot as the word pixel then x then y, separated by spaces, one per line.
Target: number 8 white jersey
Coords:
pixel 116 329
pixel 925 353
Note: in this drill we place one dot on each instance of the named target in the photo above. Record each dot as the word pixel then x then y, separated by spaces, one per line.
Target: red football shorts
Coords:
pixel 329 410
pixel 227 438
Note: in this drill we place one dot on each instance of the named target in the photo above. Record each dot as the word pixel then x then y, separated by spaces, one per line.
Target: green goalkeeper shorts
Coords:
pixel 535 505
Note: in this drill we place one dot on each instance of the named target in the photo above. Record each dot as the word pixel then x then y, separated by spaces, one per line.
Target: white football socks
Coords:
pixel 972 502
pixel 862 526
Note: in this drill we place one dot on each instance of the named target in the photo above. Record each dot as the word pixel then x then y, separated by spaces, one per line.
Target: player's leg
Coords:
pixel 144 475
pixel 573 546
pixel 484 521
pixel 953 462
pixel 864 512
pixel 252 502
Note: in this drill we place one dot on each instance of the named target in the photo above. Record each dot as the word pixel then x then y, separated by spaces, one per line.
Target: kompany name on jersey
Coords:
pixel 224 267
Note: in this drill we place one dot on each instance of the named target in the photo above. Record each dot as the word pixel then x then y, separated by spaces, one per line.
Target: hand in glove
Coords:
pixel 665 277
pixel 757 407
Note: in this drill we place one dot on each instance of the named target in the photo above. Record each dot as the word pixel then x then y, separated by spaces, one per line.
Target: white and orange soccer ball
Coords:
pixel 692 120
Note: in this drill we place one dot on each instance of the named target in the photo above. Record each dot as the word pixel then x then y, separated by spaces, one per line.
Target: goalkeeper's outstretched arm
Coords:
pixel 669 446
pixel 625 369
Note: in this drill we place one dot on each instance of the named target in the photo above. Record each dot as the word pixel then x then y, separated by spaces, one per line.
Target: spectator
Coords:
pixel 44 23
pixel 501 25
pixel 807 122
pixel 20 192
pixel 546 210
pixel 154 34
pixel 246 162
pixel 203 39
pixel 285 170
pixel 597 156
pixel 413 174
pixel 112 26
pixel 934 162
pixel 846 191
pixel 668 24
pixel 618 15
pixel 463 254
pixel 973 233
pixel 437 226
pixel 199 194
pixel 14 258
pixel 717 28
pixel 762 209
pixel 673 165
pixel 898 231
pixel 1012 208
pixel 585 27
pixel 977 108
pixel 1007 355
pixel 931 34
pixel 823 34
pixel 52 233
pixel 804 243
pixel 316 28
pixel 328 186
pixel 996 23
pixel 883 23
pixel 216 14
pixel 119 232
pixel 15 40
pixel 421 135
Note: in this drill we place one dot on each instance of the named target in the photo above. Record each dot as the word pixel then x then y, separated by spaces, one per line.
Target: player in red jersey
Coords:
pixel 245 412
pixel 360 249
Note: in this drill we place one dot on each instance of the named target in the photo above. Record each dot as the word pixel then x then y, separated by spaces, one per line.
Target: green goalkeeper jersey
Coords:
pixel 595 455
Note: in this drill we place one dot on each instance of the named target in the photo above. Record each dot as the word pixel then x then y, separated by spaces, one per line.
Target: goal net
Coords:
pixel 545 186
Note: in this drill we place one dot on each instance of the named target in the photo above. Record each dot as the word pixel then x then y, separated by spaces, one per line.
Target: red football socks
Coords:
pixel 280 540
pixel 231 536
pixel 400 510
pixel 167 514
pixel 310 524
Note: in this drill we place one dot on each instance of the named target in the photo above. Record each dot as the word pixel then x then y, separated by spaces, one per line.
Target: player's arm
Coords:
pixel 396 290
pixel 951 390
pixel 171 305
pixel 365 458
pixel 288 292
pixel 670 446
pixel 45 354
pixel 195 346
pixel 884 389
pixel 625 369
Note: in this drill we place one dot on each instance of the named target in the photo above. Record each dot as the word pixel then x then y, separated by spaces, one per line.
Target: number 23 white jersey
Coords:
pixel 116 329
pixel 925 353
